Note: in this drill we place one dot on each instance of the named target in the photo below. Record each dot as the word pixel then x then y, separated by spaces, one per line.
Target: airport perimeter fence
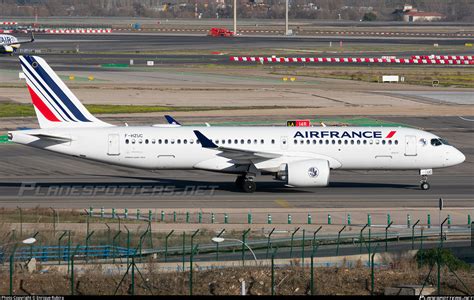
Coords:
pixel 321 218
pixel 127 253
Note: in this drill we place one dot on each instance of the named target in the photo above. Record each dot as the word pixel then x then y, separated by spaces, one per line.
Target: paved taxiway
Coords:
pixel 144 42
pixel 28 175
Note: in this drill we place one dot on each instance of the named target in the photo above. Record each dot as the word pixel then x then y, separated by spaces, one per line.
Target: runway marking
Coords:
pixel 283 203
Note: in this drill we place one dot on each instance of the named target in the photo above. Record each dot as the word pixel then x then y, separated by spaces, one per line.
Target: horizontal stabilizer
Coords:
pixel 50 137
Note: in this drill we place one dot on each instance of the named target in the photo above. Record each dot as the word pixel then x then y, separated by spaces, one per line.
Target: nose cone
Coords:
pixel 457 157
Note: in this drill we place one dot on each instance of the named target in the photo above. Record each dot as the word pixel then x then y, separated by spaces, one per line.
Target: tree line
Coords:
pixel 454 10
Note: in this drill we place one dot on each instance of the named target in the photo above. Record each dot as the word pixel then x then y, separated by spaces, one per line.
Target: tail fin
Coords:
pixel 55 105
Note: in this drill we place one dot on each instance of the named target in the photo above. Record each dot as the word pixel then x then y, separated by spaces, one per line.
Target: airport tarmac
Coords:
pixel 152 42
pixel 30 177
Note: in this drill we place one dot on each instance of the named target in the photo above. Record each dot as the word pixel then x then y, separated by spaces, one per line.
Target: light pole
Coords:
pixel 28 241
pixel 221 239
pixel 235 17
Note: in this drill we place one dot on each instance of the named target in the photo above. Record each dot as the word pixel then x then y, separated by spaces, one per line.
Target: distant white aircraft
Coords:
pixel 9 44
pixel 298 156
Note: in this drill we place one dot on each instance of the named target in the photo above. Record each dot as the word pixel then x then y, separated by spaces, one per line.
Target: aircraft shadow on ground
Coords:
pixel 151 185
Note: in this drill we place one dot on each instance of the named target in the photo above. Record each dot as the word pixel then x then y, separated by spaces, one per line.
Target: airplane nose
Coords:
pixel 458 157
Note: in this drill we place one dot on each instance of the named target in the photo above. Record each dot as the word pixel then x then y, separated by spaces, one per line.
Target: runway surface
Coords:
pixel 30 177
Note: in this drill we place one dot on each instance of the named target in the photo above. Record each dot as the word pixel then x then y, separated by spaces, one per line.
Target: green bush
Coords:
pixel 446 257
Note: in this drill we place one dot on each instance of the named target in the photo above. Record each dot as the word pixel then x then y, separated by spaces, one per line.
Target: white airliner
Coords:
pixel 9 44
pixel 298 156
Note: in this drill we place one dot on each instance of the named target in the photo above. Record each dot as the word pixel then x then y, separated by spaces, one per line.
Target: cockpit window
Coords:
pixel 445 142
pixel 436 142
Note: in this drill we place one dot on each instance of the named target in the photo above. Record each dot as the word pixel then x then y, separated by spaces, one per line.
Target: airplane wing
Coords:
pixel 171 120
pixel 233 153
pixel 22 42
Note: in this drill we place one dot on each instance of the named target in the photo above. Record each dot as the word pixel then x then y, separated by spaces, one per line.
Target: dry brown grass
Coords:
pixel 292 280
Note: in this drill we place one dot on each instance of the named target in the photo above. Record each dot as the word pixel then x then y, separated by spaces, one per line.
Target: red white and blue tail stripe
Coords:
pixel 55 105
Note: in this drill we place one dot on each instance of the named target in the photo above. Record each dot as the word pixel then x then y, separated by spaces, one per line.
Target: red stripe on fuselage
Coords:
pixel 39 104
pixel 390 134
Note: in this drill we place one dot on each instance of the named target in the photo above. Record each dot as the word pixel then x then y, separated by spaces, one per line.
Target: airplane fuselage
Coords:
pixel 178 148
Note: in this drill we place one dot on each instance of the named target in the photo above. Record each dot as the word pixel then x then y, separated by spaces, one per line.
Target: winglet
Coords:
pixel 171 120
pixel 205 142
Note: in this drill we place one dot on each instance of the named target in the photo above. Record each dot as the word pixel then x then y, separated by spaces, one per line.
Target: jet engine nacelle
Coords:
pixel 6 49
pixel 306 173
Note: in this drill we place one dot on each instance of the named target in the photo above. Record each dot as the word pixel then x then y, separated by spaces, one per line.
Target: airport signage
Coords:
pixel 298 123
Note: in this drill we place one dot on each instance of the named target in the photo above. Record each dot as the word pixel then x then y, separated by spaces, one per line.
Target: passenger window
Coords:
pixel 339 142
pixel 308 142
pixel 396 142
pixel 273 141
pixel 140 141
pixel 198 142
pixel 352 142
pixel 320 142
pixel 377 142
pixel 166 141
pixel 333 142
pixel 146 141
pixel 179 141
pixel 364 142
pixel 301 142
pixel 315 142
pixel 159 141
pixel 296 142
pixel 217 141
pixel 191 141
pixel 255 141
pixel 327 142
pixel 127 141
pixel 153 141
pixel 241 141
pixel 229 141
pixel 358 142
pixel 133 141
pixel 249 141
pixel 185 141
pixel 383 142
pixel 262 141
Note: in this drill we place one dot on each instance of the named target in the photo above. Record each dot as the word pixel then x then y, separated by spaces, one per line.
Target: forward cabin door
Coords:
pixel 113 145
pixel 410 145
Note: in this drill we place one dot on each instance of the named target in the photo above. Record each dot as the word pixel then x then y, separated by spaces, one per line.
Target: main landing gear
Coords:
pixel 424 185
pixel 246 183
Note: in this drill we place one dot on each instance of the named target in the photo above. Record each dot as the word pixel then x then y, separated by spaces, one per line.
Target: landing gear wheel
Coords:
pixel 249 186
pixel 425 186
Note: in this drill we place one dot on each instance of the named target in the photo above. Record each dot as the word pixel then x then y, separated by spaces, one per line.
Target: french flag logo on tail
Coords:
pixel 55 105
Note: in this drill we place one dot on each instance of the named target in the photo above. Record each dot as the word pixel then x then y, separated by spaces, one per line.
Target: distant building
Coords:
pixel 421 16
pixel 411 14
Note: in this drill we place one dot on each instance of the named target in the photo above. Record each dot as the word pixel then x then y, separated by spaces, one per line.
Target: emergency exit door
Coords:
pixel 114 144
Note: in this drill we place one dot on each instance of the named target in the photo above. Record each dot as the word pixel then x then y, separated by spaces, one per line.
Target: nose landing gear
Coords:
pixel 424 185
